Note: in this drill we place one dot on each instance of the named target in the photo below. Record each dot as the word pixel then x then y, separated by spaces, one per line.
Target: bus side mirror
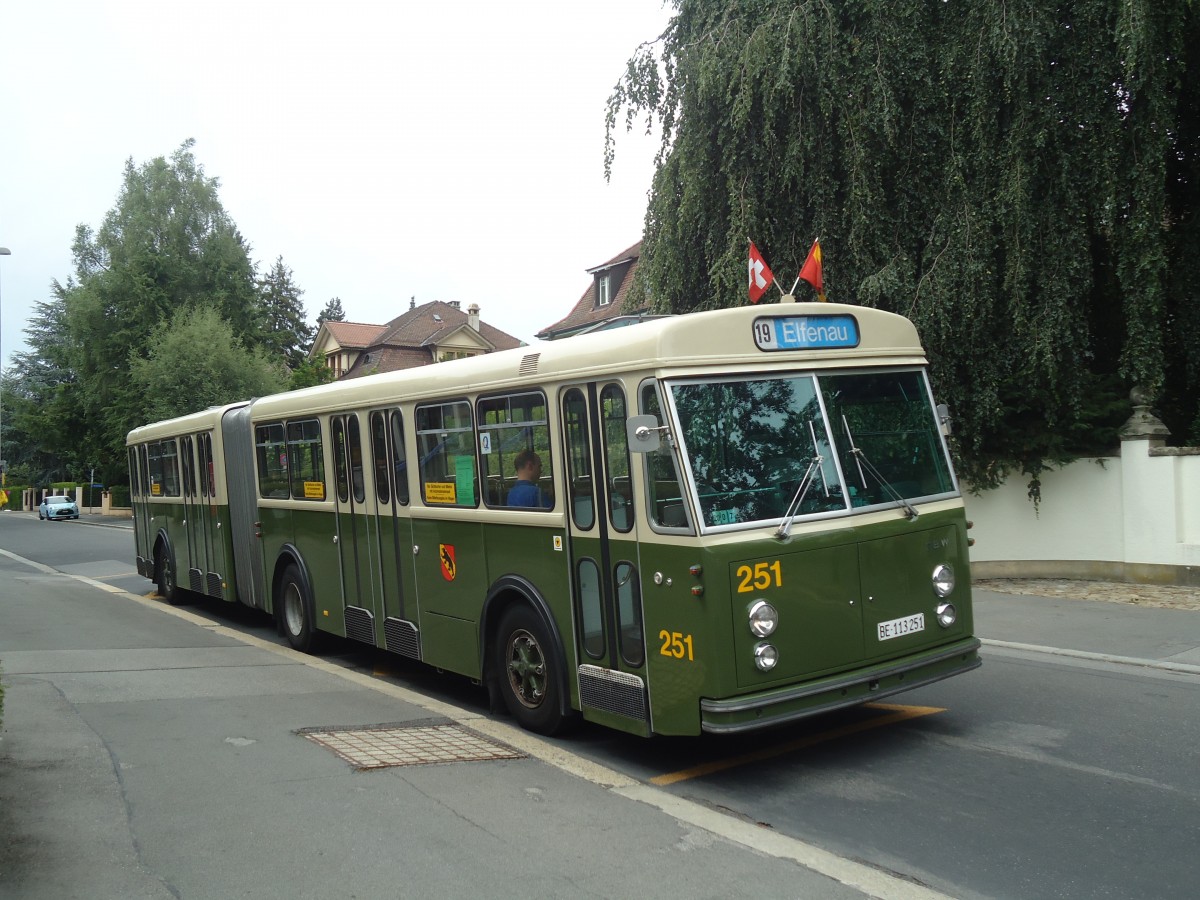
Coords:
pixel 642 433
pixel 943 414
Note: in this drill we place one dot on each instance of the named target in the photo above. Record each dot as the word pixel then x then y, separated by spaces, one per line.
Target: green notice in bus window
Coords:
pixel 464 479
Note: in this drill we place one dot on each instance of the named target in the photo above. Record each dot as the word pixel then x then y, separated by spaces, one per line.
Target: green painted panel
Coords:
pixel 313 532
pixel 451 574
pixel 449 643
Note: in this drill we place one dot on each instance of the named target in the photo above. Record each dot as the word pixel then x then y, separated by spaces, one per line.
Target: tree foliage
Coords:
pixel 1018 178
pixel 108 349
pixel 196 361
pixel 284 331
pixel 333 311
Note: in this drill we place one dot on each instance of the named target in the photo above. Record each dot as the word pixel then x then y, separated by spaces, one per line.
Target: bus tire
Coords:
pixel 527 671
pixel 164 575
pixel 296 611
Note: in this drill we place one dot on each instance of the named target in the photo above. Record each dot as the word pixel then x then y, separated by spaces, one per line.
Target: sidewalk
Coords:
pixel 1105 621
pixel 147 752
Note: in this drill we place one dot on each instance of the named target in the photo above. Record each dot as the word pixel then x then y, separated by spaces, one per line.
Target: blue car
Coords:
pixel 58 507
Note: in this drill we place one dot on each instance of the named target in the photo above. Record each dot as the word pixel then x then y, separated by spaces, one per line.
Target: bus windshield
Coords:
pixel 793 445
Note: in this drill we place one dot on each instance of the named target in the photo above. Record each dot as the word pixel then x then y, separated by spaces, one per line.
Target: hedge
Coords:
pixel 15 492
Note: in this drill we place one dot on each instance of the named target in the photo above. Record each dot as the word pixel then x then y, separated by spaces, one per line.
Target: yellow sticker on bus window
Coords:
pixel 439 492
pixel 155 489
pixel 314 490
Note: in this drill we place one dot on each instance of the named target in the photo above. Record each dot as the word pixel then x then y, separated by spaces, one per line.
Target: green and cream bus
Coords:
pixel 735 519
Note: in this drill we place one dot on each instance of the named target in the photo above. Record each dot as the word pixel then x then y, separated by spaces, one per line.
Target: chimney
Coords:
pixel 473 316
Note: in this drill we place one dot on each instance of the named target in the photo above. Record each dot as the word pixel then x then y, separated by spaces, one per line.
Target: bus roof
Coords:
pixel 686 344
pixel 192 422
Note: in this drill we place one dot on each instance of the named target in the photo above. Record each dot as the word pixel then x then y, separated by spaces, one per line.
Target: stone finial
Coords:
pixel 1143 425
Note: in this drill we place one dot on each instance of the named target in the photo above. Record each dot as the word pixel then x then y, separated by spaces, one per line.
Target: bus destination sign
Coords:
pixel 819 332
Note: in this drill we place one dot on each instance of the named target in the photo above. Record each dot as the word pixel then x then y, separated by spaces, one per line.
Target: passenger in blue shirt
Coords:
pixel 526 491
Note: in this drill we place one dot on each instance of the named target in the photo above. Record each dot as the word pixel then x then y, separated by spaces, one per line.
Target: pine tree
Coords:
pixel 284 331
pixel 332 312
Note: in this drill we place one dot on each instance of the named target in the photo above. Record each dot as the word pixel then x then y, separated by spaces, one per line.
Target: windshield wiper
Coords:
pixel 793 508
pixel 860 460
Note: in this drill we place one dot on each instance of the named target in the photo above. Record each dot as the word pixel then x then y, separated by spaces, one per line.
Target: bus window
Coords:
pixel 758 448
pixel 887 436
pixel 185 448
pixel 509 426
pixel 629 614
pixel 664 495
pixel 339 460
pixel 379 458
pixel 144 470
pixel 446 443
pixel 271 452
pixel 616 457
pixel 591 616
pixel 164 469
pixel 202 455
pixel 356 458
pixel 399 460
pixel 209 473
pixel 306 461
pixel 579 460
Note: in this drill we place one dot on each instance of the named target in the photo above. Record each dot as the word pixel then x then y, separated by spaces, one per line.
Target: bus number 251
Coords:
pixel 676 645
pixel 761 577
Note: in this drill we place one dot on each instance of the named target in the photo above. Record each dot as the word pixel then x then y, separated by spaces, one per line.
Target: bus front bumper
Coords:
pixel 781 705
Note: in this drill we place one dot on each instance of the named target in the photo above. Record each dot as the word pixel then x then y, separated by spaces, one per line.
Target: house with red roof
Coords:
pixel 604 303
pixel 426 334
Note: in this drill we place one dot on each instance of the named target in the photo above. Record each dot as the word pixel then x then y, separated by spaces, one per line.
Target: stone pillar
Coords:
pixel 1147 492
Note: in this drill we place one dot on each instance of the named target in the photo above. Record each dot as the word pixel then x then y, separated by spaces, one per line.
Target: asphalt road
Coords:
pixel 1048 773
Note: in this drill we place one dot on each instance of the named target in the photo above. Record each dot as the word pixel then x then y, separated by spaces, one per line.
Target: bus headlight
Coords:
pixel 764 618
pixel 943 580
pixel 765 656
pixel 946 614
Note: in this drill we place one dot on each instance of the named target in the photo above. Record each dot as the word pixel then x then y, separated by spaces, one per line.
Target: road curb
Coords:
pixel 1186 668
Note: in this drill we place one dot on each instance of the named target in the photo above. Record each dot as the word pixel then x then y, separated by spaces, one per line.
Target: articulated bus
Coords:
pixel 715 522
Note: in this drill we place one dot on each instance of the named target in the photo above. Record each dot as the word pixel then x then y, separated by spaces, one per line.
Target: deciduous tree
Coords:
pixel 195 361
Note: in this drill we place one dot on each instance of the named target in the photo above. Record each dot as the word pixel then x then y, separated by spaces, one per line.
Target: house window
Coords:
pixel 602 293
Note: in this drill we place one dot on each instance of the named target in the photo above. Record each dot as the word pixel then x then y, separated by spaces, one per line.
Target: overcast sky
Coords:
pixel 385 150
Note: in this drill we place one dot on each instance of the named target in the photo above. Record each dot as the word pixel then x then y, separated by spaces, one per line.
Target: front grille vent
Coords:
pixel 621 693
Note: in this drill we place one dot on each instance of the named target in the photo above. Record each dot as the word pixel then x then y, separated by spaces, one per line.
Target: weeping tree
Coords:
pixel 1018 178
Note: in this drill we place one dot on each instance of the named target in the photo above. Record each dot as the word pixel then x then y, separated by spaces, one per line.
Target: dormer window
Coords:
pixel 603 297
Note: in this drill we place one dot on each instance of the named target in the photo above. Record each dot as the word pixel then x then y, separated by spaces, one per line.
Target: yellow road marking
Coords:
pixel 898 714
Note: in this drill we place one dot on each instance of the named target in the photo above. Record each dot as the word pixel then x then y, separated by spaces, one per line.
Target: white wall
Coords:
pixel 1132 517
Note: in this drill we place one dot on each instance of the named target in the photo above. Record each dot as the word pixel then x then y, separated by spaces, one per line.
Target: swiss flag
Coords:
pixel 760 275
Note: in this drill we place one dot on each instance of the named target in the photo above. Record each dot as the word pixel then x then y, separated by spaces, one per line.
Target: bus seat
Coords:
pixel 674 516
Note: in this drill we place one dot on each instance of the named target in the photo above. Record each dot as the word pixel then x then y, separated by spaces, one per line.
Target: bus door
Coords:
pixel 196 560
pixel 143 527
pixel 606 584
pixel 360 589
pixel 391 530
pixel 217 568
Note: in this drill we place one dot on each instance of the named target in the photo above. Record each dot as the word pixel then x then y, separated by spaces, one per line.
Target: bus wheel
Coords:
pixel 295 611
pixel 164 575
pixel 528 672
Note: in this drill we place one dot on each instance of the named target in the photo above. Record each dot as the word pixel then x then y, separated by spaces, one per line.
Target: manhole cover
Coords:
pixel 381 746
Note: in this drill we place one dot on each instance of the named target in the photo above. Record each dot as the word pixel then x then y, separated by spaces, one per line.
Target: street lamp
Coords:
pixel 4 251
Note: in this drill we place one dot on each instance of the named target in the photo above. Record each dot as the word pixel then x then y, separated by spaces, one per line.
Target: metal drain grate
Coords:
pixel 383 746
